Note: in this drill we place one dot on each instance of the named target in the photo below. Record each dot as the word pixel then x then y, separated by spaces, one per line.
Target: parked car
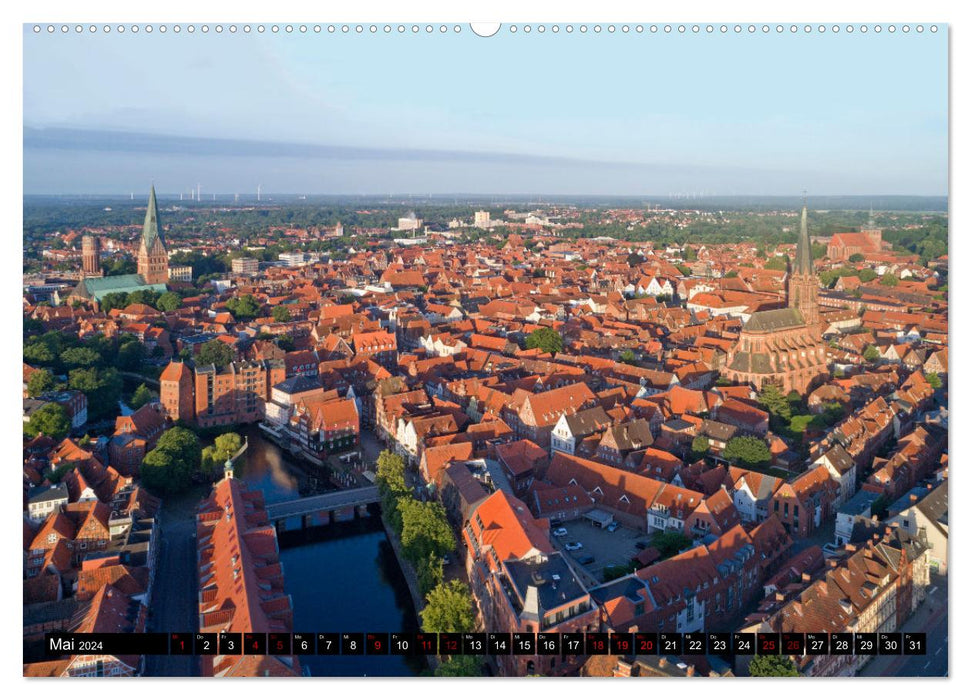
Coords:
pixel 613 526
pixel 830 549
pixel 559 532
pixel 573 546
pixel 641 545
pixel 446 559
pixel 585 559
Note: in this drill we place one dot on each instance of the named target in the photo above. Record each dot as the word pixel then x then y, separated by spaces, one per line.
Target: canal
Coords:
pixel 342 577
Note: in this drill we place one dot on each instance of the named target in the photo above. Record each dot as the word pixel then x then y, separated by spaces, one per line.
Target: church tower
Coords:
pixel 803 286
pixel 153 261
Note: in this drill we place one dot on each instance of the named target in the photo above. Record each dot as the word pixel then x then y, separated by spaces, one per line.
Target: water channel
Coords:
pixel 342 577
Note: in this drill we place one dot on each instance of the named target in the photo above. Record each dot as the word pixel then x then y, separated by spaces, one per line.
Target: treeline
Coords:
pixel 90 366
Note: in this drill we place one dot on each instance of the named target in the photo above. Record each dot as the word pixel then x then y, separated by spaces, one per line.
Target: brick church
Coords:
pixel 785 346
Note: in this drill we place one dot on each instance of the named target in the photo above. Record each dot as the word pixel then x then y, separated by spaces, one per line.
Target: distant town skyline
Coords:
pixel 592 114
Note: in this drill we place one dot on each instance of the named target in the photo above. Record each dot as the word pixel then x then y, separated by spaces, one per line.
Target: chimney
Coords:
pixel 690 672
pixel 622 670
pixel 805 577
pixel 913 498
pixel 849 547
pixel 662 661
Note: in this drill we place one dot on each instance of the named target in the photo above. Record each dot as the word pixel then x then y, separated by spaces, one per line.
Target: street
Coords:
pixel 931 617
pixel 174 598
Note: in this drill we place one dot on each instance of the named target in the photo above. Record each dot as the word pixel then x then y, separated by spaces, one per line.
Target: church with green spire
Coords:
pixel 153 261
pixel 153 264
pixel 785 346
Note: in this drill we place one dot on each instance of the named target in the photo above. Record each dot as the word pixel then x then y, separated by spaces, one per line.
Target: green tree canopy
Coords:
pixel 281 314
pixel 889 280
pixel 932 378
pixel 102 387
pixel 50 419
pixel 131 354
pixel 546 339
pixel 700 446
pixel 867 275
pixel 670 543
pixel 772 666
pixel 168 469
pixel 40 381
pixel 871 353
pixel 80 357
pixel 857 258
pixel 777 262
pixel 390 478
pixel 425 531
pixel 215 352
pixel 748 451
pixel 449 608
pixel 169 301
pixel 244 308
pixel 214 456
pixel 142 396
pixel 775 402
pixel 460 667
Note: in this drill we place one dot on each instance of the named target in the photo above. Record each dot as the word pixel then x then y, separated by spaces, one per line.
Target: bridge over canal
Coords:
pixel 324 503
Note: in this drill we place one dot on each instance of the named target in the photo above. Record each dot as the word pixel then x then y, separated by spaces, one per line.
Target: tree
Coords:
pixel 546 339
pixel 142 396
pixel 169 301
pixel 871 354
pixel 40 381
pixel 215 455
pixel 460 667
pixel 857 258
pixel 700 446
pixel 244 307
pixel 777 262
pixel 39 353
pixel 627 357
pixel 635 259
pixel 430 571
pixel 775 402
pixel 168 469
pixel 690 254
pixel 867 275
pixel 281 314
pixel 748 451
pixel 113 300
pixel 80 357
pixel 390 478
pixel 731 274
pixel 772 666
pixel 285 342
pixel 425 531
pixel 684 270
pixel 932 379
pixel 818 250
pixel 215 352
pixel 670 543
pixel 50 419
pixel 102 387
pixel 889 280
pixel 131 354
pixel 449 608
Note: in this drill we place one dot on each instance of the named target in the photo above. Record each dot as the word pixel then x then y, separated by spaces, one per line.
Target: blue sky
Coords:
pixel 557 114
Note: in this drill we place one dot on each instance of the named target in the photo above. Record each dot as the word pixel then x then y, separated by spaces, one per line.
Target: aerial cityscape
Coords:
pixel 283 431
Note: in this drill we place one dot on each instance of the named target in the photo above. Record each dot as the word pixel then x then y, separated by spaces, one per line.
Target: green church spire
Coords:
pixel 151 229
